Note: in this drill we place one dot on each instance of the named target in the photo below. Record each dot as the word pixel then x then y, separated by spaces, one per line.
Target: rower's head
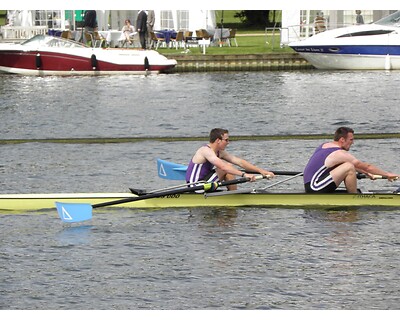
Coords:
pixel 344 136
pixel 220 137
pixel 218 133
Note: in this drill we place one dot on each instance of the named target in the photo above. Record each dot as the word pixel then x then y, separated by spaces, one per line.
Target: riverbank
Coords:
pixel 239 62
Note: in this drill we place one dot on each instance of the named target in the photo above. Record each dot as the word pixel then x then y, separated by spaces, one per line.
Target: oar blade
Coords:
pixel 170 170
pixel 74 212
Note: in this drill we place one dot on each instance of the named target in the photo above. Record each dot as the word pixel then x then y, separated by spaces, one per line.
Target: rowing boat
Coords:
pixel 34 202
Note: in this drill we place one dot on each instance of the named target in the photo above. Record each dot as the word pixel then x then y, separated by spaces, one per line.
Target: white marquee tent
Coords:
pixel 114 19
pixel 197 19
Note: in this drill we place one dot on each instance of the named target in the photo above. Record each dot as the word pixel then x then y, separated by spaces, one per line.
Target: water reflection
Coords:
pixel 75 235
pixel 333 214
pixel 213 217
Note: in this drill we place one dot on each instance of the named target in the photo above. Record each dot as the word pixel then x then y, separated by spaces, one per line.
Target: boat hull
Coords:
pixel 34 202
pixel 346 61
pixel 52 63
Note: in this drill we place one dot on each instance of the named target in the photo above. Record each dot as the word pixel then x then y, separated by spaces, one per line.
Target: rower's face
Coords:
pixel 224 141
pixel 348 141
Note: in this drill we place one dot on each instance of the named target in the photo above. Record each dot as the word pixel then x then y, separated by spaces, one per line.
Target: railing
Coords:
pixel 301 32
pixel 21 33
pixel 281 37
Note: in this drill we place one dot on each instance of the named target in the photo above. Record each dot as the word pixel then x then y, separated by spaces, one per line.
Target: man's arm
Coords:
pixel 223 165
pixel 341 156
pixel 371 169
pixel 246 165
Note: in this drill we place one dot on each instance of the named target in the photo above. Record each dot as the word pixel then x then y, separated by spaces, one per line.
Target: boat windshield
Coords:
pixel 49 41
pixel 390 20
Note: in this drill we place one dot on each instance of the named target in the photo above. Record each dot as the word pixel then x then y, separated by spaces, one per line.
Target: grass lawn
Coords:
pixel 248 43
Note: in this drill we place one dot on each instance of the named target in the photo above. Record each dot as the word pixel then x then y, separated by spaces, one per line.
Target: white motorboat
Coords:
pixel 48 55
pixel 374 46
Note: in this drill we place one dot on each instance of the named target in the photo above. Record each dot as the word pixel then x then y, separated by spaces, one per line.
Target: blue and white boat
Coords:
pixel 374 46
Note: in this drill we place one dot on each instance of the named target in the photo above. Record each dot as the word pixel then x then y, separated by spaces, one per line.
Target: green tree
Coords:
pixel 257 18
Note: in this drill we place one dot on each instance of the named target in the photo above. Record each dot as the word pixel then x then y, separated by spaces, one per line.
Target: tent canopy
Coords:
pixel 165 19
pixel 114 19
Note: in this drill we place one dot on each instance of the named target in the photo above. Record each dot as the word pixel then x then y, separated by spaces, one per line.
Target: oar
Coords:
pixel 77 212
pixel 141 192
pixel 175 171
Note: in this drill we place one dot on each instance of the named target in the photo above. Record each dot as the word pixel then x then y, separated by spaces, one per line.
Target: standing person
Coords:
pixel 331 164
pixel 359 17
pixel 141 27
pixel 89 25
pixel 151 20
pixel 90 21
pixel 212 162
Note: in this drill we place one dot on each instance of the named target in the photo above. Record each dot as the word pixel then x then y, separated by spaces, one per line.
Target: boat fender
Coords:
pixel 38 61
pixel 146 64
pixel 388 64
pixel 93 60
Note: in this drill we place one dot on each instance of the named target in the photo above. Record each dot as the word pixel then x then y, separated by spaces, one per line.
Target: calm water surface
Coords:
pixel 246 258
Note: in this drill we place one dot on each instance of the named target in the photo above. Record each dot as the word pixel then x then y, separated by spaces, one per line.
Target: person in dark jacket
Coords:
pixel 141 27
pixel 90 20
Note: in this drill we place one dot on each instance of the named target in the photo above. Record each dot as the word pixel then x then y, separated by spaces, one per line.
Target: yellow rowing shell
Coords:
pixel 33 202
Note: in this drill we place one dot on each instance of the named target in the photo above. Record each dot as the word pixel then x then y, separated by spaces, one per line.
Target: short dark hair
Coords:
pixel 217 133
pixel 342 132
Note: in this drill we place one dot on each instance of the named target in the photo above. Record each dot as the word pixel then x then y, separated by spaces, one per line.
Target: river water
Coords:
pixel 245 258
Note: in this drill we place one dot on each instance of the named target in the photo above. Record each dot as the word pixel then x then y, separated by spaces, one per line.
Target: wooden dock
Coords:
pixel 244 62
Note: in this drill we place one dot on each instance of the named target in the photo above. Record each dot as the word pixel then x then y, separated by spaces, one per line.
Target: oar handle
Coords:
pixel 374 176
pixel 286 173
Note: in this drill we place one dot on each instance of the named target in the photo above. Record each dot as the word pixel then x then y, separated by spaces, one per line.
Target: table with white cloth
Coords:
pixel 112 37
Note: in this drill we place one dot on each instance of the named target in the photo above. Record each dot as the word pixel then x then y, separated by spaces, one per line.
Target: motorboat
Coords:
pixel 49 55
pixel 374 46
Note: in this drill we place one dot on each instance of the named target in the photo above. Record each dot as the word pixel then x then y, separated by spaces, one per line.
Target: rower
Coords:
pixel 212 162
pixel 331 164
